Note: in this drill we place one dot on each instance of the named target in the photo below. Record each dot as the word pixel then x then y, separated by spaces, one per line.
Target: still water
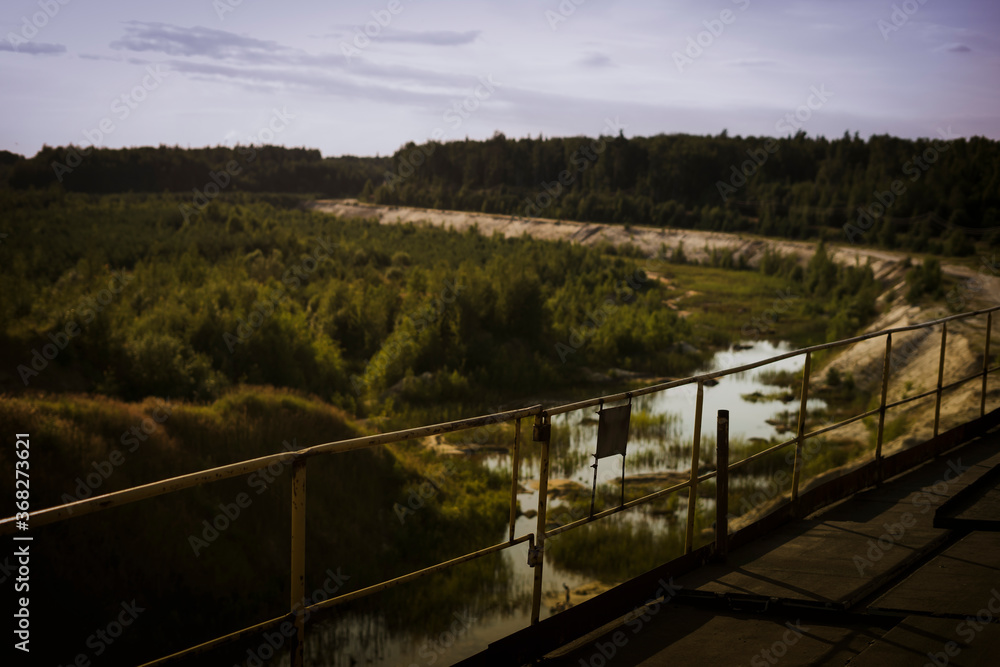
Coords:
pixel 350 639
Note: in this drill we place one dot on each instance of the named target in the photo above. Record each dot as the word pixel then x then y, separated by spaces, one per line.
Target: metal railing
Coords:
pixel 541 434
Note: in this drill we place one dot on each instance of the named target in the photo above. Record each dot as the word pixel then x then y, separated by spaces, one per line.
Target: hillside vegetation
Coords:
pixel 210 560
pixel 117 294
pixel 148 335
pixel 937 195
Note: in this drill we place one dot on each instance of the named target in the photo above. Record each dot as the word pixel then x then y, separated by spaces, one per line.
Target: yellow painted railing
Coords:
pixel 541 434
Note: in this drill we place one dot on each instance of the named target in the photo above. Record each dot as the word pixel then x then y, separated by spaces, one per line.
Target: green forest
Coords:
pixel 921 195
pixel 939 195
pixel 266 325
pixel 132 302
pixel 117 294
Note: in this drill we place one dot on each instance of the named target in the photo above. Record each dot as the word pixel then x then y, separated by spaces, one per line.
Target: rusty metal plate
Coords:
pixel 612 431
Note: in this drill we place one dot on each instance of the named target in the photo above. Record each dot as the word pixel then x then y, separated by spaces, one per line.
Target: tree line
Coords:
pixel 939 195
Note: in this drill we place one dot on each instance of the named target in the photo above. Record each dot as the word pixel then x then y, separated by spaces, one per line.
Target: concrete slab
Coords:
pixel 961 581
pixel 685 636
pixel 837 562
pixel 985 509
pixel 934 641
pixel 838 556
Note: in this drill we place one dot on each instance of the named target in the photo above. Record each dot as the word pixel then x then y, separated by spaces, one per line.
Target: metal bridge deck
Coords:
pixel 868 581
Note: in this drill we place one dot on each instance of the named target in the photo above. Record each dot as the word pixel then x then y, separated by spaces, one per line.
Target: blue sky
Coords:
pixel 210 72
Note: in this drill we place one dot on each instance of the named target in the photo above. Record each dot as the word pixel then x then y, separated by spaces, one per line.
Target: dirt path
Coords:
pixel 698 245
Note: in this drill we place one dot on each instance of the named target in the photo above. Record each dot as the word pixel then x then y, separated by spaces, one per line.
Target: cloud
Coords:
pixel 597 60
pixel 197 41
pixel 752 62
pixel 430 37
pixel 959 48
pixel 260 64
pixel 347 33
pixel 33 48
pixel 274 79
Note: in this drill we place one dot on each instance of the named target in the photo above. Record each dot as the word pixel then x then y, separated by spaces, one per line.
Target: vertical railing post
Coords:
pixel 722 485
pixel 800 432
pixel 937 403
pixel 536 555
pixel 298 581
pixel 695 455
pixel 886 367
pixel 986 363
pixel 514 470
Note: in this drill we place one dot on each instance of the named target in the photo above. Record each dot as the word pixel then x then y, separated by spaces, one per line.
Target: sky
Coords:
pixel 366 77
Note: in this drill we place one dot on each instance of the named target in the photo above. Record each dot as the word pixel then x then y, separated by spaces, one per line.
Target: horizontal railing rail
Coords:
pixel 298 459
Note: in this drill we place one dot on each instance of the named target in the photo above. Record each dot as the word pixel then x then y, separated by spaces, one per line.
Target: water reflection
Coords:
pixel 453 615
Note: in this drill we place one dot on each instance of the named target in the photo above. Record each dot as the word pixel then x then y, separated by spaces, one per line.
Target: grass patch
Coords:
pixel 728 301
pixel 648 426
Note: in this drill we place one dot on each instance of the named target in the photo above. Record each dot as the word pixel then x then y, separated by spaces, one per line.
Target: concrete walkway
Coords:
pixel 868 581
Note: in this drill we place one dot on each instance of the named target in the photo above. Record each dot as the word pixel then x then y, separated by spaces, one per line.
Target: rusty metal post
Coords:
pixel 800 431
pixel 937 403
pixel 298 566
pixel 722 485
pixel 695 452
pixel 536 555
pixel 514 470
pixel 986 363
pixel 886 368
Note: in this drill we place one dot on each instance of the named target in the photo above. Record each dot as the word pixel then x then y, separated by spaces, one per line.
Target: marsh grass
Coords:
pixel 620 547
pixel 791 380
pixel 657 427
pixel 727 297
